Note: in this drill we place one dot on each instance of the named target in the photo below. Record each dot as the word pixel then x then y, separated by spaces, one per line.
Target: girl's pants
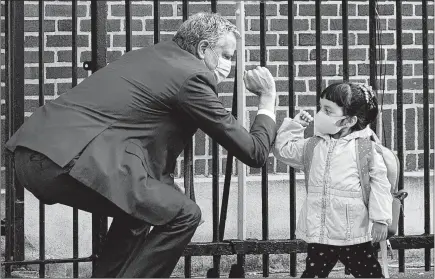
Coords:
pixel 359 259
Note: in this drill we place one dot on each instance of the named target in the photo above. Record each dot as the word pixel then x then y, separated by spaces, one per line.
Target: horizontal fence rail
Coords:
pixel 14 34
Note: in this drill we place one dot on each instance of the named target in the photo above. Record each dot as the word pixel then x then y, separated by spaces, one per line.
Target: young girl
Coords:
pixel 334 220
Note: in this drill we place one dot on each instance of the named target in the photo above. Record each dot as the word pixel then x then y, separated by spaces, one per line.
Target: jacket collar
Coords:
pixel 365 133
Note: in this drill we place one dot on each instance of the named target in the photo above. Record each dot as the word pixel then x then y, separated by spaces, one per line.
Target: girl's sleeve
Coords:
pixel 380 201
pixel 289 144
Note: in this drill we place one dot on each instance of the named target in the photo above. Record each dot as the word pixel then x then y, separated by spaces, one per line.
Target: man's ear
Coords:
pixel 200 49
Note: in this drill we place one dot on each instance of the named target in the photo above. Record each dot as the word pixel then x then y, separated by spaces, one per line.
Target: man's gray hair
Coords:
pixel 203 26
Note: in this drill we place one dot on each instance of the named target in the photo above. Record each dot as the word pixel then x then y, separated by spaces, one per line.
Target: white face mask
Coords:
pixel 223 68
pixel 325 124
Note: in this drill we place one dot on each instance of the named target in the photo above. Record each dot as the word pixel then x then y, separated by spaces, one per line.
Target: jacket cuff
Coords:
pixel 268 113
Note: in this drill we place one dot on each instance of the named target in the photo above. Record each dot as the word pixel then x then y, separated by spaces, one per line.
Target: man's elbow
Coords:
pixel 259 161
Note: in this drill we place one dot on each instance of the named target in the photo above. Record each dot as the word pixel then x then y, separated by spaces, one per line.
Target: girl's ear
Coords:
pixel 351 121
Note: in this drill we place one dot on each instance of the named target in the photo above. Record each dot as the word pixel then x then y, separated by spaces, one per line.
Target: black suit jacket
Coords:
pixel 131 120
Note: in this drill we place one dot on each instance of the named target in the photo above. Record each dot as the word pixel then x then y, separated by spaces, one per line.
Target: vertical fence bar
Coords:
pixel 188 163
pixel 345 21
pixel 264 174
pixel 426 129
pixel 372 49
pixel 16 101
pixel 215 185
pixel 400 150
pixel 128 31
pixel 291 111
pixel 318 15
pixel 8 158
pixel 41 103
pixel 241 110
pixel 74 83
pixel 228 171
pixel 156 21
pixel 99 31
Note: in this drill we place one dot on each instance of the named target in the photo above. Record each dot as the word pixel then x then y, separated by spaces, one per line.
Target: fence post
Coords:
pixel 98 31
pixel 15 103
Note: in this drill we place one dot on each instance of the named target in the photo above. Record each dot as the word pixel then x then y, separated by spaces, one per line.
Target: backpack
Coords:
pixel 364 153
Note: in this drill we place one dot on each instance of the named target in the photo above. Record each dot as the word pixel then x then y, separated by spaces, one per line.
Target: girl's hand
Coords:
pixel 379 232
pixel 303 118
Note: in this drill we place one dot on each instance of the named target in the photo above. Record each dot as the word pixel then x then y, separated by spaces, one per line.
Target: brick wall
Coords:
pixel 58 58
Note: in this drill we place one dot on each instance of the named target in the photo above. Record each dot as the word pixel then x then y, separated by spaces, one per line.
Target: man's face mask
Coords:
pixel 326 125
pixel 222 69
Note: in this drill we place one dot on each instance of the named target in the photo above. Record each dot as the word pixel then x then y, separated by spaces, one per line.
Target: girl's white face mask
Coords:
pixel 326 125
pixel 223 68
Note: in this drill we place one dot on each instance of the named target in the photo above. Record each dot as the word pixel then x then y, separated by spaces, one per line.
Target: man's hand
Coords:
pixel 303 118
pixel 260 82
pixel 379 232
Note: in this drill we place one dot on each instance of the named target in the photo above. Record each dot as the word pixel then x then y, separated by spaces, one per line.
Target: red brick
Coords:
pixel 283 39
pixel 352 70
pixel 166 10
pixel 283 9
pixel 407 10
pixel 166 24
pixel 306 100
pixel 33 57
pixel 411 162
pixel 254 39
pixel 418 69
pixel 282 55
pixel 323 54
pixel 30 105
pixel 33 89
pixel 323 24
pixel 419 11
pixel 387 126
pixel 30 10
pixel 57 10
pixel 226 9
pixel 309 39
pixel 354 24
pixel 351 10
pixel 199 143
pixel 254 9
pixel 65 41
pixel 255 25
pixel 325 10
pixel 113 56
pixel 33 26
pixel 351 39
pixel 139 10
pixel 136 40
pixel 419 38
pixel 29 41
pixel 410 129
pixel 194 8
pixel 62 72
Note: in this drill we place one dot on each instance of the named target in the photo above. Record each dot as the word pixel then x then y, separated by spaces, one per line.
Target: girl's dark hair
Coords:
pixel 356 100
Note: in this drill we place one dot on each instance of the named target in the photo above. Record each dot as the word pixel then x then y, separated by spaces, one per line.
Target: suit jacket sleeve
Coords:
pixel 200 103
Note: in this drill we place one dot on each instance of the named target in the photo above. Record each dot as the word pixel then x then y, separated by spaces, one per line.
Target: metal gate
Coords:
pixel 14 57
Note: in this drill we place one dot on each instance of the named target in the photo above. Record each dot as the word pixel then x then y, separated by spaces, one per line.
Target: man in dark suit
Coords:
pixel 110 144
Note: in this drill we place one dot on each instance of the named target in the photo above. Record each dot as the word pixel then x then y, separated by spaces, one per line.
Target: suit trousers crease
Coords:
pixel 130 249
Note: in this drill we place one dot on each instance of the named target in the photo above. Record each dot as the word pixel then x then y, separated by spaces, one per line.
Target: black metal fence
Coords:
pixel 14 57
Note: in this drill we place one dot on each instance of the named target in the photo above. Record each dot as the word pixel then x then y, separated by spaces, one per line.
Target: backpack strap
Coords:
pixel 309 146
pixel 364 150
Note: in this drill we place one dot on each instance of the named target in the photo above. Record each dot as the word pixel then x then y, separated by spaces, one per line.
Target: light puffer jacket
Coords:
pixel 334 212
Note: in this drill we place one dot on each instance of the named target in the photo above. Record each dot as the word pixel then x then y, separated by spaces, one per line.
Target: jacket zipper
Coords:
pixel 347 222
pixel 326 182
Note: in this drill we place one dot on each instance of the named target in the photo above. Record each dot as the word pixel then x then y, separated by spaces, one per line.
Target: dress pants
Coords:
pixel 130 249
